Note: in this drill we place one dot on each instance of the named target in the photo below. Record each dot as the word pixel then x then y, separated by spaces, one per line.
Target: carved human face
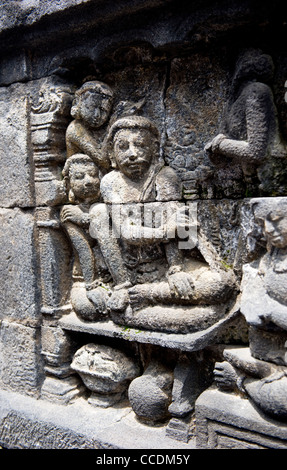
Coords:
pixel 275 229
pixel 133 151
pixel 94 108
pixel 84 182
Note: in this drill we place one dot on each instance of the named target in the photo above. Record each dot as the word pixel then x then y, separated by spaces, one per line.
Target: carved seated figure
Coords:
pixel 157 287
pixel 91 109
pixel 90 274
pixel 260 371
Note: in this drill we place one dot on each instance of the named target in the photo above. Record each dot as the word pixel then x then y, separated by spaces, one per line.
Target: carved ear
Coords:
pixel 66 183
pixel 71 196
pixel 113 160
pixel 108 151
pixel 75 107
pixel 156 146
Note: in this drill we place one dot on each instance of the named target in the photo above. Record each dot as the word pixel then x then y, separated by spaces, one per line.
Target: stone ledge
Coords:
pixel 186 342
pixel 27 423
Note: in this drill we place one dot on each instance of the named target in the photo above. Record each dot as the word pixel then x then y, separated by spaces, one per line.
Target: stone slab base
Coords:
pixel 227 421
pixel 28 423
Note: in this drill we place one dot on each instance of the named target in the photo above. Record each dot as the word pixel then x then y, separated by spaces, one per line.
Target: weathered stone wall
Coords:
pixel 174 63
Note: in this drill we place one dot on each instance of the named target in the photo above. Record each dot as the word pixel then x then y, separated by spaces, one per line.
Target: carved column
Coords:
pixel 50 117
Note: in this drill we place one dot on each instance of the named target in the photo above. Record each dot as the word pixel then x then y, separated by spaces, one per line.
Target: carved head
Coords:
pixel 132 145
pixel 273 219
pixel 254 64
pixel 93 103
pixel 81 178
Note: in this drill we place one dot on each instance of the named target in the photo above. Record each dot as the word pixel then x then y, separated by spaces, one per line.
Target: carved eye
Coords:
pixel 140 143
pixel 275 218
pixel 79 176
pixel 92 174
pixel 105 105
pixel 123 145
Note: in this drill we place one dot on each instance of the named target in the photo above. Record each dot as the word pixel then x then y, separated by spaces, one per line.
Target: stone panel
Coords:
pixel 19 297
pixel 20 360
pixel 15 162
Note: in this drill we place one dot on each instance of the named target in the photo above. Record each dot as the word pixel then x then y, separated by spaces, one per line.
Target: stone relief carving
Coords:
pixel 158 273
pixel 50 115
pixel 91 109
pixel 259 371
pixel 141 259
pixel 250 137
pixel 81 177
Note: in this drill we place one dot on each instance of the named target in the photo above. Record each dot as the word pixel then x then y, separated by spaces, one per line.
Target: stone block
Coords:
pixel 19 296
pixel 20 360
pixel 228 421
pixel 15 161
pixel 28 423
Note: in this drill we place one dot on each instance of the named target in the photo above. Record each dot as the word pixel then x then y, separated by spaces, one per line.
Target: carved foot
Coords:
pixel 140 296
pixel 225 376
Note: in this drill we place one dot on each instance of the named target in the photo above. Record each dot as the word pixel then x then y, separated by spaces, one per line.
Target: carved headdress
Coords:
pixel 96 86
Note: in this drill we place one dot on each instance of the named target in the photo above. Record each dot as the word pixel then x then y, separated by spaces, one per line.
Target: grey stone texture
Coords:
pixel 27 423
pixel 226 421
pixel 19 294
pixel 21 361
pixel 143 224
pixel 16 159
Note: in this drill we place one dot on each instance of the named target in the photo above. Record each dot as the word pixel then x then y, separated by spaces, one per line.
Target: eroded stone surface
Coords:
pixel 19 294
pixel 130 151
pixel 16 164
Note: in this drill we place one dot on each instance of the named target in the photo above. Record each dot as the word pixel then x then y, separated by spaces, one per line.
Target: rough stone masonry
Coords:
pixel 143 202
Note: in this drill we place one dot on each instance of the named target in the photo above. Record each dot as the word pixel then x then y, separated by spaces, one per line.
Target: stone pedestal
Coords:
pixel 228 421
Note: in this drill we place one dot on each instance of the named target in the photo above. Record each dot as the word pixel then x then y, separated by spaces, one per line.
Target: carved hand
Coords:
pixel 74 214
pixel 213 148
pixel 119 300
pixel 181 285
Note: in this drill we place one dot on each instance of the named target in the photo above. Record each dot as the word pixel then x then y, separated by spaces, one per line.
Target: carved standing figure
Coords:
pixel 250 133
pixel 91 109
pixel 260 371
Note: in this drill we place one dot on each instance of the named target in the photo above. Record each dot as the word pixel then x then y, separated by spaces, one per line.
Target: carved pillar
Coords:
pixel 57 348
pixel 50 117
pixel 49 120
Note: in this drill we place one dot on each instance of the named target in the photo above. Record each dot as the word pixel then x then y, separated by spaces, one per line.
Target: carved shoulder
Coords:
pixel 259 91
pixel 168 185
pixel 74 133
pixel 109 186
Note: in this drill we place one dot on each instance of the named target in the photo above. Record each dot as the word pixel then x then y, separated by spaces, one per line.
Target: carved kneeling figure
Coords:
pixel 263 382
pixel 260 371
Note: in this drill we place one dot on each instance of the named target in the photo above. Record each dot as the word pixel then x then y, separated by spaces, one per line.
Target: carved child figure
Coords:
pixel 156 269
pixel 81 177
pixel 260 371
pixel 91 109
